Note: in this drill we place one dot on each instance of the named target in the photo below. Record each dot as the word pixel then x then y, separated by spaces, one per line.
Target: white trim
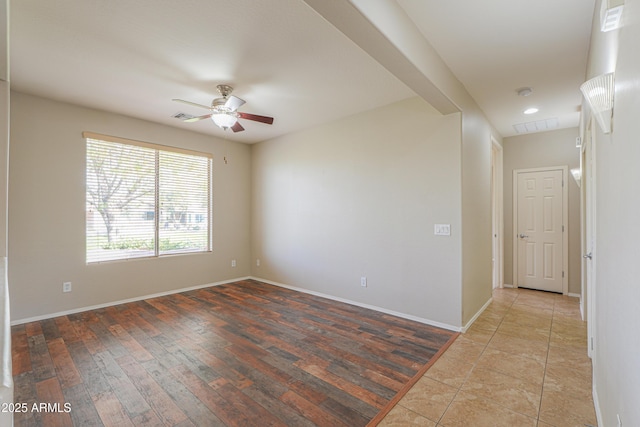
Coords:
pixel 124 301
pixel 282 285
pixel 359 304
pixel 565 222
pixel 509 285
pixel 579 296
pixel 589 236
pixel 497 213
pixel 596 403
pixel 475 317
pixel 151 145
pixel 6 380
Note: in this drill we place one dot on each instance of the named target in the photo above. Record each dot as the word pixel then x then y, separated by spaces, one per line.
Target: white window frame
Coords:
pixel 159 148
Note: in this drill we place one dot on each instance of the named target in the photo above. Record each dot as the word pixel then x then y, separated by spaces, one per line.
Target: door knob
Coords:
pixel 587 256
pixel 523 236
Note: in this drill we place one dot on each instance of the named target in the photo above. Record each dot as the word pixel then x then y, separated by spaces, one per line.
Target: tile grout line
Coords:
pixel 537 418
pixel 485 348
pixel 412 382
pixel 508 308
pixel 546 363
pixel 474 365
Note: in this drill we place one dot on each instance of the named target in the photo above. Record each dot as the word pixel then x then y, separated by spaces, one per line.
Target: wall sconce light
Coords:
pixel 598 92
pixel 577 175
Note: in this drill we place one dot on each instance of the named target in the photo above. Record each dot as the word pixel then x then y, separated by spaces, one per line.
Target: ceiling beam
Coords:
pixel 383 30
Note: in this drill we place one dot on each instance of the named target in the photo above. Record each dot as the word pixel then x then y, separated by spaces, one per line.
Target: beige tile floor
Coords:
pixel 523 363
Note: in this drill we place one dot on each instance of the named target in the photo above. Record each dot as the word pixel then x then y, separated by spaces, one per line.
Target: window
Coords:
pixel 145 200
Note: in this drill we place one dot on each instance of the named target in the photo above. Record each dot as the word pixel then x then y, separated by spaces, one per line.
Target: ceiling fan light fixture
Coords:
pixel 224 120
pixel 224 111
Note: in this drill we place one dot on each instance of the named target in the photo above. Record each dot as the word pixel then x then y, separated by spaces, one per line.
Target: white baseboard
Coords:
pixel 596 404
pixel 475 317
pixel 359 304
pixel 508 285
pixel 282 285
pixel 123 301
pixel 579 296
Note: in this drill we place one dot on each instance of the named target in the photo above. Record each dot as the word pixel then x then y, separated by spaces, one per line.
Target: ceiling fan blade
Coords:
pixel 237 127
pixel 195 119
pixel 256 118
pixel 191 103
pixel 233 103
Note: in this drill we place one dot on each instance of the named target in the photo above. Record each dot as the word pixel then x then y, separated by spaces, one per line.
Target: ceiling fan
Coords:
pixel 224 111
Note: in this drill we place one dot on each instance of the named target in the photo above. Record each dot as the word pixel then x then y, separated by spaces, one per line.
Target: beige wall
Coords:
pixel 617 269
pixel 476 213
pixel 385 31
pixel 382 186
pixel 359 197
pixel 6 381
pixel 47 205
pixel 553 148
pixel 4 164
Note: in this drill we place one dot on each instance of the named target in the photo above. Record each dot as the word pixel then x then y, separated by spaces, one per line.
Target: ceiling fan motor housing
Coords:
pixel 218 107
pixel 223 111
pixel 224 90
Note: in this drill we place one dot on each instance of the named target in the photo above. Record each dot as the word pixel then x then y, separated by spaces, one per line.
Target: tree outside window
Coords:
pixel 144 201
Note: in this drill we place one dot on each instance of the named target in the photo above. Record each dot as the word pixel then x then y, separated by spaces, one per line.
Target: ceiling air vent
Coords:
pixel 611 15
pixel 183 116
pixel 537 126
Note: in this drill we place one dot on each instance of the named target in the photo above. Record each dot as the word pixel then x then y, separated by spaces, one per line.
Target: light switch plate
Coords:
pixel 442 229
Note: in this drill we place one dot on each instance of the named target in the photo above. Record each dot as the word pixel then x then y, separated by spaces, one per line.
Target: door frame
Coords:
pixel 588 207
pixel 497 215
pixel 565 222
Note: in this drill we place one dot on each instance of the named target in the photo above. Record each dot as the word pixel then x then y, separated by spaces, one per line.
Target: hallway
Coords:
pixel 523 363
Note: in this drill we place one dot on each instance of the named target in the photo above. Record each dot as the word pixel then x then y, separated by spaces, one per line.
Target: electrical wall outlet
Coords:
pixel 233 263
pixel 363 281
pixel 258 262
pixel 66 287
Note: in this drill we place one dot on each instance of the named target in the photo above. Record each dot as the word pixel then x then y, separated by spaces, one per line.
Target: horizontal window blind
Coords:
pixel 184 203
pixel 143 200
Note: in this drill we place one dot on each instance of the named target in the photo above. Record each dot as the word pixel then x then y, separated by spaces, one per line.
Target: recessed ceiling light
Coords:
pixel 531 110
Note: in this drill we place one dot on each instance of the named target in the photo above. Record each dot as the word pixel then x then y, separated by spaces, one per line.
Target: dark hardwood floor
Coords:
pixel 242 354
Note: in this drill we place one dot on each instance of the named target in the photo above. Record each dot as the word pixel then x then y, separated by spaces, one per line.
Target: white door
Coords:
pixel 539 229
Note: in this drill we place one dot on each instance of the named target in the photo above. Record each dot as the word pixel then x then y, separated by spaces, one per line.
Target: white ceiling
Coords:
pixel 133 57
pixel 495 47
